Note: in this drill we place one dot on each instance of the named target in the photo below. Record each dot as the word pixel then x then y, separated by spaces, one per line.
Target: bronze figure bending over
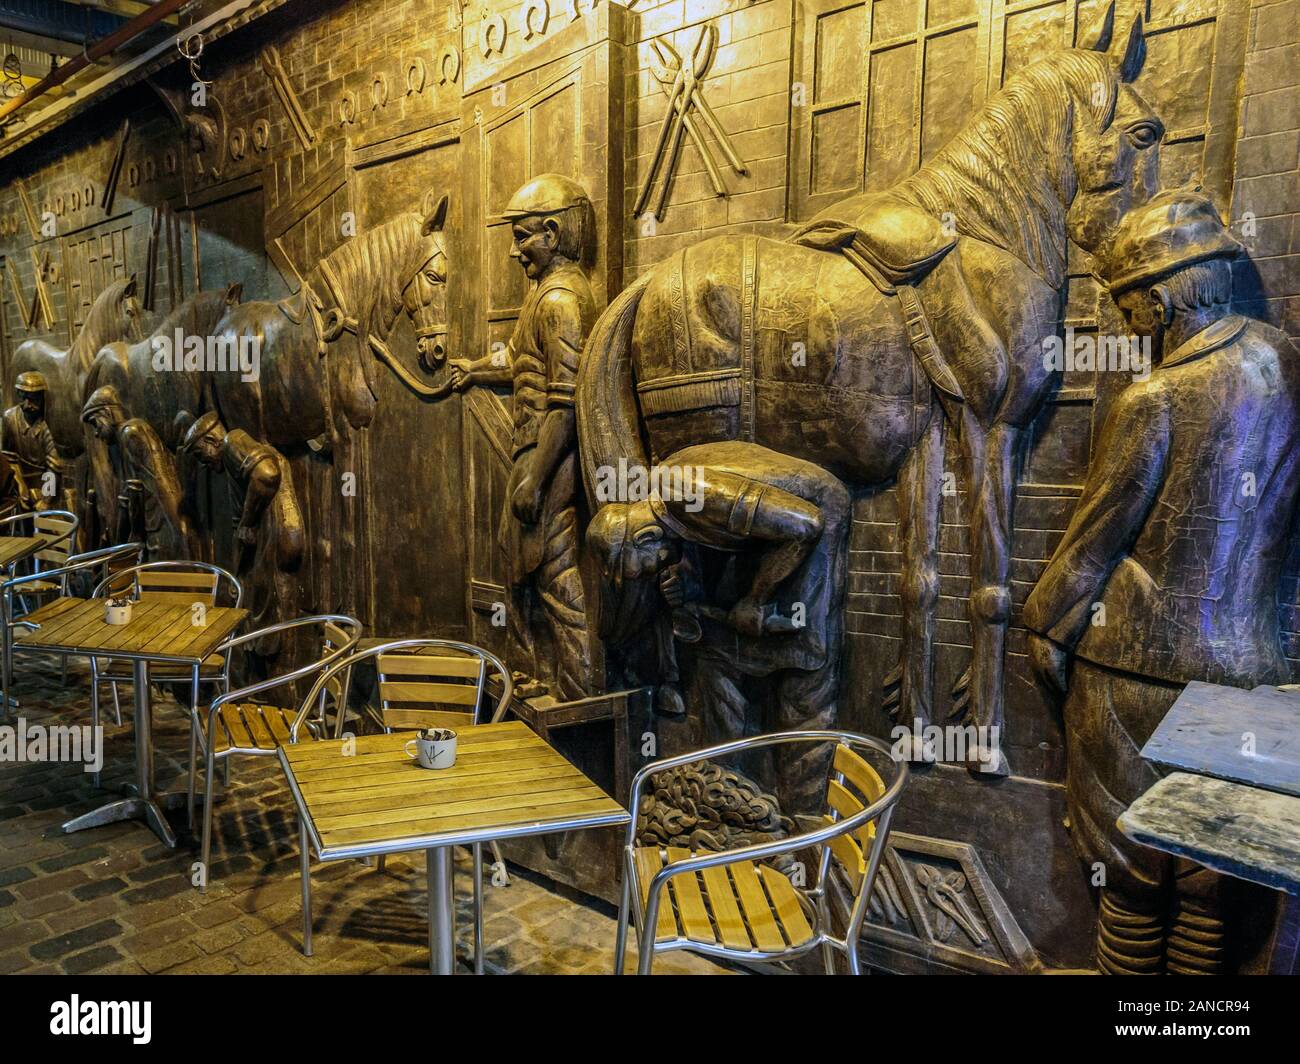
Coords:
pixel 1169 570
pixel 269 531
pixel 136 453
pixel 851 346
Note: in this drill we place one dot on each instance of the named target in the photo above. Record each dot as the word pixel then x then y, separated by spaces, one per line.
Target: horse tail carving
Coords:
pixel 609 425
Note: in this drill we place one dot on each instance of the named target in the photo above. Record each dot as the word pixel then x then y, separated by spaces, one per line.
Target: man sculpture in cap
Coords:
pixel 28 445
pixel 269 532
pixel 1170 566
pixel 553 229
pixel 137 453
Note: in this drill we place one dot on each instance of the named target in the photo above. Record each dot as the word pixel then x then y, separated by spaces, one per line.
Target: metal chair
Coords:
pixel 236 725
pixel 424 683
pixel 89 563
pixel 730 906
pixel 60 529
pixel 182 583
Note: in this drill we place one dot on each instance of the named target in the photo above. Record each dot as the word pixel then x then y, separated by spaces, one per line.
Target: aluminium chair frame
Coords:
pixel 880 811
pixel 79 563
pixel 350 624
pixel 502 706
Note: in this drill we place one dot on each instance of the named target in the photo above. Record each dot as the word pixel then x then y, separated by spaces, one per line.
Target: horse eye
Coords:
pixel 1144 135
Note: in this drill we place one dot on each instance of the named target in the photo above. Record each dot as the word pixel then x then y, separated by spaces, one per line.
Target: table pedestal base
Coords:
pixel 442 925
pixel 149 810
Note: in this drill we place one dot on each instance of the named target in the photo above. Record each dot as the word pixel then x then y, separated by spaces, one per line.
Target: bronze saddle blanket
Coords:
pixel 785 344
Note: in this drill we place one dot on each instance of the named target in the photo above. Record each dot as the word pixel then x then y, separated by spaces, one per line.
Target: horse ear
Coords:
pixel 129 290
pixel 1097 39
pixel 437 217
pixel 1135 52
pixel 234 292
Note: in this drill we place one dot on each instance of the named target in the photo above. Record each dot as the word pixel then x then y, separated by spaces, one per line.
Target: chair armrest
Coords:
pixel 752 742
pixel 83 561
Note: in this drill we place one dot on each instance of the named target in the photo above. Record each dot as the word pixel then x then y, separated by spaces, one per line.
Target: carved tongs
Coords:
pixel 680 79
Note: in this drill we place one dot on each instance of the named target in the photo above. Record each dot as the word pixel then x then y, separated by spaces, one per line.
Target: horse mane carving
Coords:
pixel 1008 177
pixel 359 262
pixel 104 324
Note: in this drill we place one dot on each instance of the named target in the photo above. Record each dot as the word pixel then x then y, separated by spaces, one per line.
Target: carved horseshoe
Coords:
pixel 171 161
pixel 449 54
pixel 416 75
pixel 261 135
pixel 347 109
pixel 60 207
pixel 535 11
pixel 133 175
pixel 150 168
pixel 489 27
pixel 238 144
pixel 379 92
pixel 76 199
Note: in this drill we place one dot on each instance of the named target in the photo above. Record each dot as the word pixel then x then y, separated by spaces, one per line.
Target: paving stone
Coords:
pixel 92 960
pixel 73 940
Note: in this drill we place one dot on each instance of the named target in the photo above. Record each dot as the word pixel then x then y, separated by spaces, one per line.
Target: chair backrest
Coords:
pixel 176 582
pixel 853 785
pixel 430 686
pixel 334 637
pixel 61 527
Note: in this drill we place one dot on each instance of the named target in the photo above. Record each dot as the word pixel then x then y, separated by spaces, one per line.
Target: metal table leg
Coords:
pixel 442 933
pixel 142 803
pixel 6 647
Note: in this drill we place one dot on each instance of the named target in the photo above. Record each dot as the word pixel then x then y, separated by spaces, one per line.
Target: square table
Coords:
pixel 13 549
pixel 363 797
pixel 168 632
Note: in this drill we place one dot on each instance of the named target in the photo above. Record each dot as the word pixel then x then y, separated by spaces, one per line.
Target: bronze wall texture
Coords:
pixel 821 99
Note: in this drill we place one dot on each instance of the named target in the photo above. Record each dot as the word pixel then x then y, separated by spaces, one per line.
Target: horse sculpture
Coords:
pixel 316 378
pixel 798 347
pixel 116 314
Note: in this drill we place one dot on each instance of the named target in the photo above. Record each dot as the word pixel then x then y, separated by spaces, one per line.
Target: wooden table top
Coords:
pixel 507 782
pixel 157 631
pixel 16 548
pixel 1245 736
pixel 1233 828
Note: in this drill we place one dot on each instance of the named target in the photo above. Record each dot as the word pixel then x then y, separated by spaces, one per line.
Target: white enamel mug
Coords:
pixel 434 748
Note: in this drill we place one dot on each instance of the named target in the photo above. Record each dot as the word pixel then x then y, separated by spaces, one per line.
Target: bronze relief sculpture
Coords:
pixel 553 230
pixel 115 314
pixel 28 446
pixel 269 530
pixel 136 453
pixel 853 345
pixel 1169 570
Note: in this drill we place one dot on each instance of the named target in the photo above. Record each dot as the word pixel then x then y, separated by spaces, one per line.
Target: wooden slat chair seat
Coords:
pixel 252 728
pixel 742 906
pixel 747 908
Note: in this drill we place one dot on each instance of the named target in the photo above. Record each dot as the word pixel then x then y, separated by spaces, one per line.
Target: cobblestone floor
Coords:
pixel 114 900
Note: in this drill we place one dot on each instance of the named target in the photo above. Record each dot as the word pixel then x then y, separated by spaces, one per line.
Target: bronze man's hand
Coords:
pixel 526 502
pixel 670 584
pixel 462 373
pixel 1050 662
